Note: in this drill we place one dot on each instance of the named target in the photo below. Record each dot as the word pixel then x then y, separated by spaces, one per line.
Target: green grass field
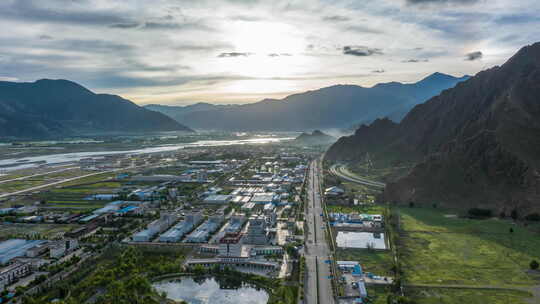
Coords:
pixel 468 296
pixel 367 209
pixel 378 294
pixel 376 262
pixel 21 230
pixel 438 249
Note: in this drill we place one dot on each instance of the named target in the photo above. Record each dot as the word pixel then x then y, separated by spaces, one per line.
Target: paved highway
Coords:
pixel 342 172
pixel 318 288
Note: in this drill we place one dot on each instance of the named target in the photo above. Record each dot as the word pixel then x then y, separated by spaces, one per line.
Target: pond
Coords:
pixel 210 290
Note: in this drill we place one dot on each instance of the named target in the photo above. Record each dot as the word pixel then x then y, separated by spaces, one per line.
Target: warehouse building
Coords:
pixel 177 232
pixel 13 248
pixel 202 233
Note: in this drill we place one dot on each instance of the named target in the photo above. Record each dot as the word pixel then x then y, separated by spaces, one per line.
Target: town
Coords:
pixel 239 208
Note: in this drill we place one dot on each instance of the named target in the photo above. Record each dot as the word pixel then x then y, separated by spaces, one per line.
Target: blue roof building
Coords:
pixel 127 209
pixel 357 270
pixel 13 248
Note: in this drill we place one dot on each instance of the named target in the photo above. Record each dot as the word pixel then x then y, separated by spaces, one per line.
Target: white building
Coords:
pixel 217 199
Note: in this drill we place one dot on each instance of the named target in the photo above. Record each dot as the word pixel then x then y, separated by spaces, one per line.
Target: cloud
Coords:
pixel 154 25
pixel 245 18
pixel 199 47
pixel 363 29
pixel 28 11
pixel 336 18
pixel 45 37
pixel 362 51
pixel 176 26
pixel 90 46
pixel 5 78
pixel 127 25
pixel 415 60
pixel 234 54
pixel 278 54
pixel 139 66
pixel 434 2
pixel 473 56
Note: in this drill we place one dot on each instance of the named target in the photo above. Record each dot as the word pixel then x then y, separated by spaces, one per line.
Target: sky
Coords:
pixel 181 52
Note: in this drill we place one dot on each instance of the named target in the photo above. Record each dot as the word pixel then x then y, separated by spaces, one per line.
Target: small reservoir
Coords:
pixel 210 290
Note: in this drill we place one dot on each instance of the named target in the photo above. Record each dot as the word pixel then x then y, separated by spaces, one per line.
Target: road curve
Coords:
pixel 341 172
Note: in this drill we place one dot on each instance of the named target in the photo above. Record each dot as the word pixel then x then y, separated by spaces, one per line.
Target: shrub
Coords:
pixel 534 265
pixel 535 217
pixel 478 212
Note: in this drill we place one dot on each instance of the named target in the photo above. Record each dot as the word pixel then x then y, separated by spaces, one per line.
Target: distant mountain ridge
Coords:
pixel 54 108
pixel 317 137
pixel 338 106
pixel 476 145
pixel 181 113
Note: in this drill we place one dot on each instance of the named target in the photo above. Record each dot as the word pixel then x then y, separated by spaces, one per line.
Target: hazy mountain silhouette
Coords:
pixel 315 138
pixel 338 106
pixel 51 108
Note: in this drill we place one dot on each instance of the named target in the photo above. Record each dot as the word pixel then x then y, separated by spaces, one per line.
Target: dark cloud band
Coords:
pixel 362 51
pixel 474 56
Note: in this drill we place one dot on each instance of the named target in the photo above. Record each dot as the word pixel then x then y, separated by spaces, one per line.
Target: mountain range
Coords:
pixel 339 106
pixel 55 108
pixel 476 145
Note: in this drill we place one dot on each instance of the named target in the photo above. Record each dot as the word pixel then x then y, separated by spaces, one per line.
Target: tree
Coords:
pixel 514 214
pixel 511 230
pixel 534 265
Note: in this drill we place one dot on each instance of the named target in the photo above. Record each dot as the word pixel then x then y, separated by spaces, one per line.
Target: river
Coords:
pixel 51 159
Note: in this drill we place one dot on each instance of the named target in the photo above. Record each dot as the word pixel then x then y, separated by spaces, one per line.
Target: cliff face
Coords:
pixel 477 144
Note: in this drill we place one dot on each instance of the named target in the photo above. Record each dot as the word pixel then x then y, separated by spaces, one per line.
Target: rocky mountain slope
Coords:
pixel 476 145
pixel 339 106
pixel 54 108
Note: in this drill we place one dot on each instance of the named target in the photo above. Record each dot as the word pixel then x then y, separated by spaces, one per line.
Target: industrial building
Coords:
pixel 13 248
pixel 235 224
pixel 264 198
pixel 60 248
pixel 12 273
pixel 202 233
pixel 217 199
pixel 155 227
pixel 256 232
pixel 230 246
pixel 177 232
